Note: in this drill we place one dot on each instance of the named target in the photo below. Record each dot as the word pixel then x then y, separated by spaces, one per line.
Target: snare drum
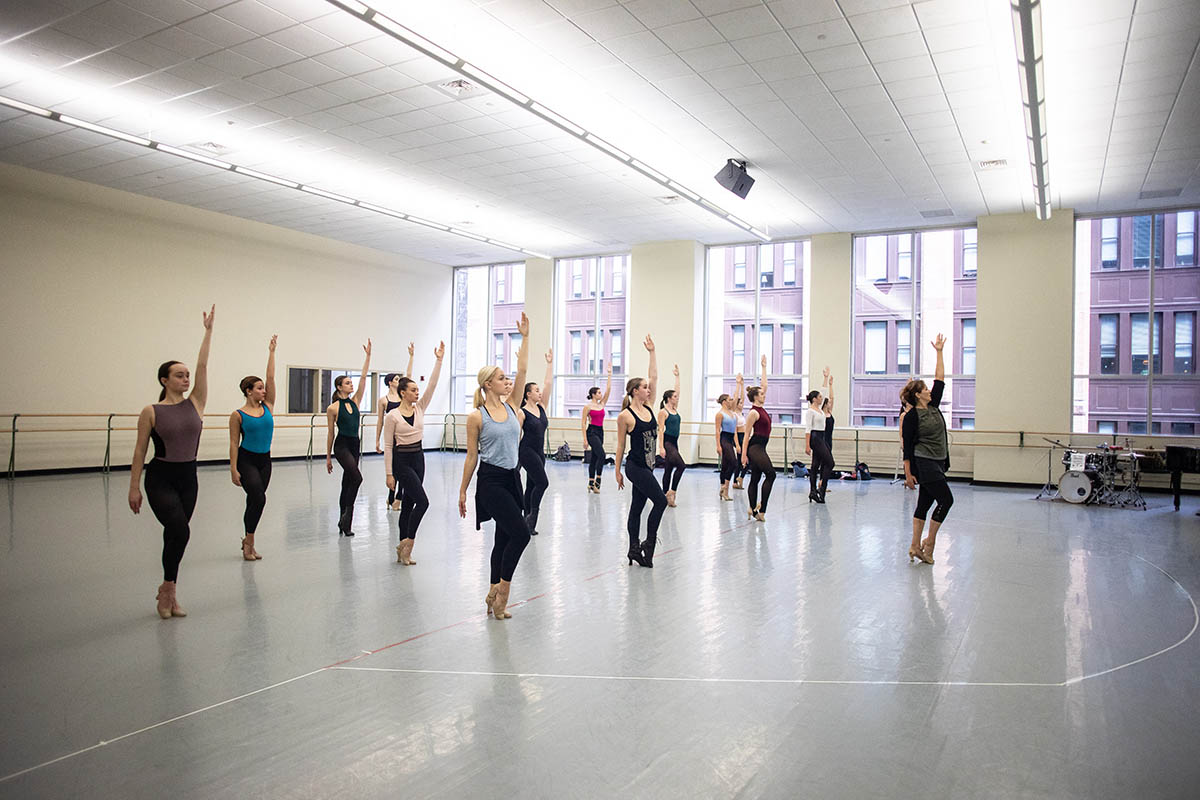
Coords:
pixel 1078 461
pixel 1077 486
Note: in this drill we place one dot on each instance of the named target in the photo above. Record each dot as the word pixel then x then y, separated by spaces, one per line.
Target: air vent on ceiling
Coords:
pixel 608 242
pixel 460 88
pixel 670 199
pixel 209 147
pixel 937 212
pixel 993 163
pixel 1156 194
pixel 469 255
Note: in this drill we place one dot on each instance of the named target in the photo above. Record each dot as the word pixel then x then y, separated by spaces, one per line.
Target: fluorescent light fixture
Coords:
pixel 188 154
pixel 262 176
pixel 766 237
pixel 391 212
pixel 554 117
pixel 650 172
pixel 408 36
pixel 341 198
pixel 535 254
pixel 28 109
pixel 90 126
pixel 683 190
pixel 1027 32
pixel 500 87
pixel 611 149
pixel 741 223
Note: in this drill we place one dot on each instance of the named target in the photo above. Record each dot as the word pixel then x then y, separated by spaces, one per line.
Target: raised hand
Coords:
pixel 550 356
pixel 764 362
pixel 608 369
pixel 208 318
pixel 825 372
pixel 523 325
pixel 676 371
pixel 367 347
pixel 939 343
pixel 271 346
pixel 649 343
pixel 412 347
pixel 439 351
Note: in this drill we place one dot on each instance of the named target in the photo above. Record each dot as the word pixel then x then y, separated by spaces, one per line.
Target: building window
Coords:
pixel 787 365
pixel 1183 429
pixel 1139 332
pixel 518 284
pixel 617 351
pixel 487 304
pixel 739 268
pixel 591 352
pixel 577 279
pixel 591 306
pixel 1185 239
pixel 1106 426
pixel 970 252
pixel 874 422
pixel 500 285
pixel 1110 231
pixel 904 257
pixel 1139 427
pixel 739 348
pixel 618 278
pixel 903 346
pixel 1141 240
pixel 876 258
pixel 785 419
pixel 789 263
pixel 968 347
pixel 766 346
pixel 498 350
pixel 875 348
pixel 766 272
pixel 1108 344
pixel 967 423
pixel 514 344
pixel 1185 342
pixel 576 352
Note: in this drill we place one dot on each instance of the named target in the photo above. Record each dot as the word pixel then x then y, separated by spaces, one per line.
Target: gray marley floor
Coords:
pixel 1049 653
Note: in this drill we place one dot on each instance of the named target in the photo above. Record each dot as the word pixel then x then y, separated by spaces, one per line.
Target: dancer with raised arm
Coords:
pixel 668 440
pixel 404 459
pixel 251 429
pixel 739 412
pixel 493 437
pixel 342 416
pixel 724 428
pixel 533 443
pixel 754 453
pixel 927 456
pixel 174 423
pixel 814 445
pixel 390 400
pixel 592 419
pixel 827 409
pixel 636 421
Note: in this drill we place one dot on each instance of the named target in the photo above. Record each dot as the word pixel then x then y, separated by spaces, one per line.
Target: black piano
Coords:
pixel 1180 460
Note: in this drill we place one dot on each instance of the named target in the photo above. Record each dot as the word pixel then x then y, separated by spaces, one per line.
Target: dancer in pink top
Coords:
pixel 593 431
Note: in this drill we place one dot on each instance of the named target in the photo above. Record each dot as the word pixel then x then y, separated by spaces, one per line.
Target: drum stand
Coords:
pixel 1049 490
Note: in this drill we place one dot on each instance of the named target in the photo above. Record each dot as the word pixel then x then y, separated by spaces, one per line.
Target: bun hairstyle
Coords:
pixel 592 392
pixel 813 395
pixel 721 400
pixel 825 405
pixel 248 383
pixel 387 379
pixel 667 395
pixel 525 394
pixel 752 393
pixel 404 382
pixel 630 387
pixel 910 391
pixel 484 377
pixel 164 372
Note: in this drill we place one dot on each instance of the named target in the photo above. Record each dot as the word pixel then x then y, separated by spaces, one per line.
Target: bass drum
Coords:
pixel 1078 487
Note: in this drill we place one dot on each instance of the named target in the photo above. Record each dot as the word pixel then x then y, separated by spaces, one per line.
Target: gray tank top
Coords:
pixel 176 431
pixel 498 441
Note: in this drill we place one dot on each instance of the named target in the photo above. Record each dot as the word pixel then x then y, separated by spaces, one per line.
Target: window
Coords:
pixel 514 344
pixel 876 265
pixel 903 346
pixel 754 307
pixel 1141 240
pixel 788 361
pixel 970 252
pixel 1139 427
pixel 487 305
pixel 1106 426
pixel 875 348
pixel 591 306
pixel 303 388
pixel 874 421
pixel 785 419
pixel 904 257
pixel 1185 342
pixel 968 347
pixel 1185 239
pixel 1108 344
pixel 1139 332
pixel 1183 429
pixel 967 423
pixel 1109 239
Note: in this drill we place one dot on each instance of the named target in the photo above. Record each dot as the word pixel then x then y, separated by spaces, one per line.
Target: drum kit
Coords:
pixel 1110 475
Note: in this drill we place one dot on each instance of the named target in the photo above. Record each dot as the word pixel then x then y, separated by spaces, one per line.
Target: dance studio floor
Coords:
pixel 1050 653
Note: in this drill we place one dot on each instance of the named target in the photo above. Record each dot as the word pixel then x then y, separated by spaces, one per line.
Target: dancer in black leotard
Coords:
pixel 814 445
pixel 174 423
pixel 343 416
pixel 636 421
pixel 533 444
pixel 927 456
pixel 754 453
pixel 251 429
pixel 386 403
pixel 668 440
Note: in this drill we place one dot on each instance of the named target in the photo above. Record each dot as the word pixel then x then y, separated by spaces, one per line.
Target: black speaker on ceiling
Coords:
pixel 734 178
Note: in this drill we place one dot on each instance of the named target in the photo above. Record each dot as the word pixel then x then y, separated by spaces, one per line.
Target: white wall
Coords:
pixel 100 286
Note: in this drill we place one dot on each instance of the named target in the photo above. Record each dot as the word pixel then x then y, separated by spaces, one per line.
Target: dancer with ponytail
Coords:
pixel 390 400
pixel 251 429
pixel 636 421
pixel 814 445
pixel 404 459
pixel 754 453
pixel 668 440
pixel 927 456
pixel 593 430
pixel 533 443
pixel 343 415
pixel 493 436
pixel 174 423
pixel 724 428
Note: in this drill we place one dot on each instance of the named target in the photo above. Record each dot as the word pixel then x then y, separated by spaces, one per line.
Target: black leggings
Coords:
pixel 729 462
pixel 645 487
pixel 739 471
pixel 674 463
pixel 535 481
pixel 495 495
pixel 346 451
pixel 408 468
pixel 171 491
pixel 255 469
pixel 938 491
pixel 595 440
pixel 822 463
pixel 760 467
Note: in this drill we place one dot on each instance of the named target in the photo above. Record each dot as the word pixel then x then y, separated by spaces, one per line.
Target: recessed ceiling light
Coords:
pixel 993 163
pixel 937 212
pixel 460 88
pixel 1157 194
pixel 670 199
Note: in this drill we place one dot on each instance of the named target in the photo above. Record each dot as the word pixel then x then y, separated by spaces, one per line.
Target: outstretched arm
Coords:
pixel 652 370
pixel 522 356
pixel 763 385
pixel 677 394
pixel 362 380
pixel 549 378
pixel 607 387
pixel 412 347
pixel 827 385
pixel 739 389
pixel 427 395
pixel 939 372
pixel 199 395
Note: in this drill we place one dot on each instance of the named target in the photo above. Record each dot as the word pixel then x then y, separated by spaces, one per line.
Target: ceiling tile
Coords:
pixel 689 35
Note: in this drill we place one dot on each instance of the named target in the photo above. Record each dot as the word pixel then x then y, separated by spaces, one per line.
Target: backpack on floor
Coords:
pixel 799 470
pixel 563 453
pixel 864 474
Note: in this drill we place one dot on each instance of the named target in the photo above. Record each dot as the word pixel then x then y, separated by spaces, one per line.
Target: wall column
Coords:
pixel 828 322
